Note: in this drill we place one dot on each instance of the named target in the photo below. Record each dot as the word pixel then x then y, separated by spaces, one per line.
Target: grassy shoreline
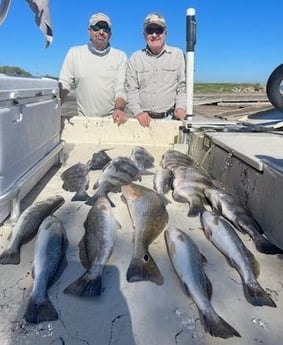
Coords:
pixel 226 87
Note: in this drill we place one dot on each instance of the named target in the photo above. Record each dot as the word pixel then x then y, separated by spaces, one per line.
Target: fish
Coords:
pixel 163 181
pixel 95 248
pixel 188 187
pixel 173 159
pixel 143 159
pixel 48 265
pixel 99 160
pixel 27 226
pixel 76 179
pixel 231 208
pixel 120 171
pixel 188 263
pixel 223 236
pixel 149 216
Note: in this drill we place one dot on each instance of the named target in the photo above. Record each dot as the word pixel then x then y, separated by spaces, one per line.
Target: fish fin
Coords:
pixel 10 258
pixel 253 263
pixel 40 311
pixel 263 245
pixel 10 235
pixel 80 196
pixel 96 185
pixel 257 296
pixel 92 200
pixel 203 259
pixel 217 327
pixel 164 200
pixel 85 286
pixel 145 172
pixel 144 269
pixel 83 253
pixel 208 287
pixel 195 210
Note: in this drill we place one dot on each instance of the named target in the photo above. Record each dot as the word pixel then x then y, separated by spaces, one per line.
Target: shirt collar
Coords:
pixel 164 50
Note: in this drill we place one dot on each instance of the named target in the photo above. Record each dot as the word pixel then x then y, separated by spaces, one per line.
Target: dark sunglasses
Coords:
pixel 157 30
pixel 99 27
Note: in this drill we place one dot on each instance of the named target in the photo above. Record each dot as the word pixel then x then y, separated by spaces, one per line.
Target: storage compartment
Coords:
pixel 250 166
pixel 30 120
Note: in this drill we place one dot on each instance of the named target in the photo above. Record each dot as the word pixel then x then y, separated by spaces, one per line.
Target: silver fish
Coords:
pixel 223 236
pixel 188 264
pixel 230 207
pixel 48 265
pixel 163 180
pixel 188 187
pixel 99 160
pixel 76 179
pixel 27 227
pixel 120 171
pixel 172 159
pixel 95 248
pixel 143 159
pixel 148 212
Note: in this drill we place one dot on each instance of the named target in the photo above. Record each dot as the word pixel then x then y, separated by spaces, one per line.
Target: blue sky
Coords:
pixel 237 40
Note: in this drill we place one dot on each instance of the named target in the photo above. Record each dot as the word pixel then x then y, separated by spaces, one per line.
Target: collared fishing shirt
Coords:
pixel 156 82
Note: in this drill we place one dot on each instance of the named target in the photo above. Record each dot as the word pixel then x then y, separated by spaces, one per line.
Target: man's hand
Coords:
pixel 144 119
pixel 180 113
pixel 119 117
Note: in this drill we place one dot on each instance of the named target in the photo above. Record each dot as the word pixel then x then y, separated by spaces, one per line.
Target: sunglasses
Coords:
pixel 99 27
pixel 157 30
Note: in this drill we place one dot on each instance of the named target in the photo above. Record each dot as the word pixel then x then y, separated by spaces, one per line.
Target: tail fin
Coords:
pixel 39 311
pixel 91 201
pixel 10 257
pixel 256 295
pixel 144 269
pixel 81 196
pixel 85 286
pixel 263 245
pixel 217 327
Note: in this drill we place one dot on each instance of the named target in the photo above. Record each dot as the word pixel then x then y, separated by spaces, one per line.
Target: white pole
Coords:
pixel 191 41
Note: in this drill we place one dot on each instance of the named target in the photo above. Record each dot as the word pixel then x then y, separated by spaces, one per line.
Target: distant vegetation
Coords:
pixel 226 87
pixel 19 72
pixel 198 87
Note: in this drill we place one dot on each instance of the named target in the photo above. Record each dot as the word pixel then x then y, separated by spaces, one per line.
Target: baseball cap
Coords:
pixel 154 18
pixel 99 17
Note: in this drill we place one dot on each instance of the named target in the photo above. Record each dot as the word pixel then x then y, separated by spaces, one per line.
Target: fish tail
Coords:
pixel 9 257
pixel 195 210
pixel 263 245
pixel 256 295
pixel 92 200
pixel 144 269
pixel 85 286
pixel 80 196
pixel 218 327
pixel 39 311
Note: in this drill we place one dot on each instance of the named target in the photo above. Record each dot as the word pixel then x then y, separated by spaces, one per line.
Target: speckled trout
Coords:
pixel 188 264
pixel 221 233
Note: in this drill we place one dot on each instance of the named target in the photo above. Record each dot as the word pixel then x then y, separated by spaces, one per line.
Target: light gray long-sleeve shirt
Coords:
pixel 156 82
pixel 98 80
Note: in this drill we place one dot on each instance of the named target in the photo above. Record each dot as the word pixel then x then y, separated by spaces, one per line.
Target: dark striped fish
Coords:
pixel 27 227
pixel 48 265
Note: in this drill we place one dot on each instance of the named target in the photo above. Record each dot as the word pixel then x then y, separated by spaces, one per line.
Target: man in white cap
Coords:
pixel 97 72
pixel 155 76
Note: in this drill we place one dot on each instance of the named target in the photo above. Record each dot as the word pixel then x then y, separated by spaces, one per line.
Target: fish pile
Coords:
pixel 221 215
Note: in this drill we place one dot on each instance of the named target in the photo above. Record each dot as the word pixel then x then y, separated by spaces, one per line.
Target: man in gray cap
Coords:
pixel 155 76
pixel 97 72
